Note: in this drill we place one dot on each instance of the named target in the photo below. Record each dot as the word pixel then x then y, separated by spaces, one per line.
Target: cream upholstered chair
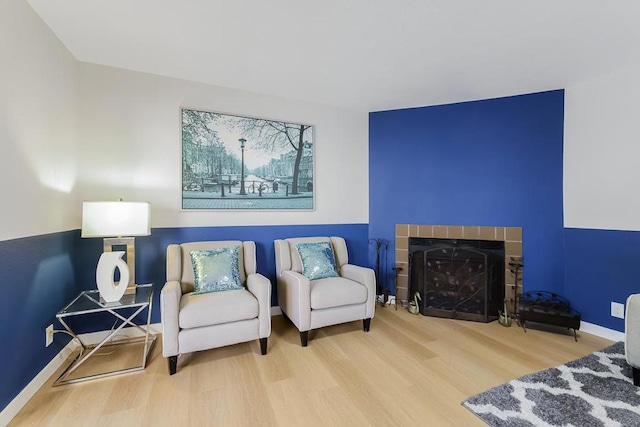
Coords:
pixel 632 335
pixel 193 322
pixel 312 304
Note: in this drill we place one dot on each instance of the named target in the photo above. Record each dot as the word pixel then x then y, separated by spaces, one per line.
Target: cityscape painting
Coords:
pixel 240 163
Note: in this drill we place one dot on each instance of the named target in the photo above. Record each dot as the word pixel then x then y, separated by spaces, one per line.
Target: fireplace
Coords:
pixel 457 278
pixel 511 237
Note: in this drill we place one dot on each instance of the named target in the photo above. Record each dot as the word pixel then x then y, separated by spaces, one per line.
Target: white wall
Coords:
pixel 602 152
pixel 131 147
pixel 38 87
pixel 71 131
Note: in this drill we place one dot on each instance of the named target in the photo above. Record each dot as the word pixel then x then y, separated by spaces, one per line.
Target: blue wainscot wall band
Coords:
pixel 601 267
pixel 43 273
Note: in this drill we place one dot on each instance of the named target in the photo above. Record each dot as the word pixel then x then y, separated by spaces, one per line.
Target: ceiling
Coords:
pixel 360 54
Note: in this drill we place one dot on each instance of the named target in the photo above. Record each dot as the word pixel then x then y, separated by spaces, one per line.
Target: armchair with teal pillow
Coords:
pixel 213 298
pixel 317 286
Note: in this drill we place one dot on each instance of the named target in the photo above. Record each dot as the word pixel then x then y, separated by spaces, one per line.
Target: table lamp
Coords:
pixel 112 221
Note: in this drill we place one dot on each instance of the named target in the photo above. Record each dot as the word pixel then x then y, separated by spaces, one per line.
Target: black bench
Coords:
pixel 548 308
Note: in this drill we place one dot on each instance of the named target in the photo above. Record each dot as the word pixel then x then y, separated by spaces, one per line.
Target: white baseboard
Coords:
pixel 391 299
pixel 601 332
pixel 96 337
pixel 276 311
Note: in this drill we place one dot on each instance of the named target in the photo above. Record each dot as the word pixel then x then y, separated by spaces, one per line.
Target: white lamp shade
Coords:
pixel 111 219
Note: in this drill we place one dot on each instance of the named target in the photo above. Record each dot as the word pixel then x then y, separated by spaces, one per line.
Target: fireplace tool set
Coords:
pixel 504 318
pixel 382 293
pixel 396 270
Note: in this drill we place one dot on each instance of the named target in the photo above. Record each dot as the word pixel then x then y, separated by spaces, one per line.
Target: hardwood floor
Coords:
pixel 408 370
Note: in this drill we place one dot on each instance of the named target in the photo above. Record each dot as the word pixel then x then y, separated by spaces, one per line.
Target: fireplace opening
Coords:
pixel 457 278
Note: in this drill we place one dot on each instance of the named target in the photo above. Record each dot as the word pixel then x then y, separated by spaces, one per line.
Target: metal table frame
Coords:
pixel 88 302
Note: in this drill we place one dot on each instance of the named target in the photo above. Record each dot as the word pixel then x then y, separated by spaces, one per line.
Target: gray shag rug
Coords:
pixel 596 390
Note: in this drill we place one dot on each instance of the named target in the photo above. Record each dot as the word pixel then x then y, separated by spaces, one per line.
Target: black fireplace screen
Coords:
pixel 459 279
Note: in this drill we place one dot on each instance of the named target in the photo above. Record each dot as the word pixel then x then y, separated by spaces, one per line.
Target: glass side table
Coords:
pixel 88 302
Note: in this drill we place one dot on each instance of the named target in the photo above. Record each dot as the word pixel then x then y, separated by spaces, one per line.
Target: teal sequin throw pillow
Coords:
pixel 317 259
pixel 215 270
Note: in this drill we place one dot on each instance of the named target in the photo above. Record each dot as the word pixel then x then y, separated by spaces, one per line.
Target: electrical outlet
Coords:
pixel 49 335
pixel 617 310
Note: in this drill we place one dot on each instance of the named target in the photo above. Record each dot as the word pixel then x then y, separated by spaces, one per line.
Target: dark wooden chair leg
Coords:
pixel 304 338
pixel 636 376
pixel 366 324
pixel 173 364
pixel 263 346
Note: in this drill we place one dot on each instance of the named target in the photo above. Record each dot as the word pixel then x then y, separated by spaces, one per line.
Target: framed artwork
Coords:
pixel 244 163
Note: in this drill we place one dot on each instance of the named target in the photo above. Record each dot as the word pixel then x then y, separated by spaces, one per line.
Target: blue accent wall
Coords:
pixel 495 162
pixel 38 279
pixel 600 268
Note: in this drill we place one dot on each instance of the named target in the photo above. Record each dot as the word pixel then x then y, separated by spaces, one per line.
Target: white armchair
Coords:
pixel 312 304
pixel 194 322
pixel 632 336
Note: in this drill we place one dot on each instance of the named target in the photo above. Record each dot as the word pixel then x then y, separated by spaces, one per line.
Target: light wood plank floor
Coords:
pixel 409 370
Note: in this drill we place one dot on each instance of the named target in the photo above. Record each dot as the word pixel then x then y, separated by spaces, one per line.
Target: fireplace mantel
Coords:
pixel 511 236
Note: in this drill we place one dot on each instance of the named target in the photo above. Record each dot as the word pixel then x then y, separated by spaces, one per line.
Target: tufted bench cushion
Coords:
pixel 548 308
